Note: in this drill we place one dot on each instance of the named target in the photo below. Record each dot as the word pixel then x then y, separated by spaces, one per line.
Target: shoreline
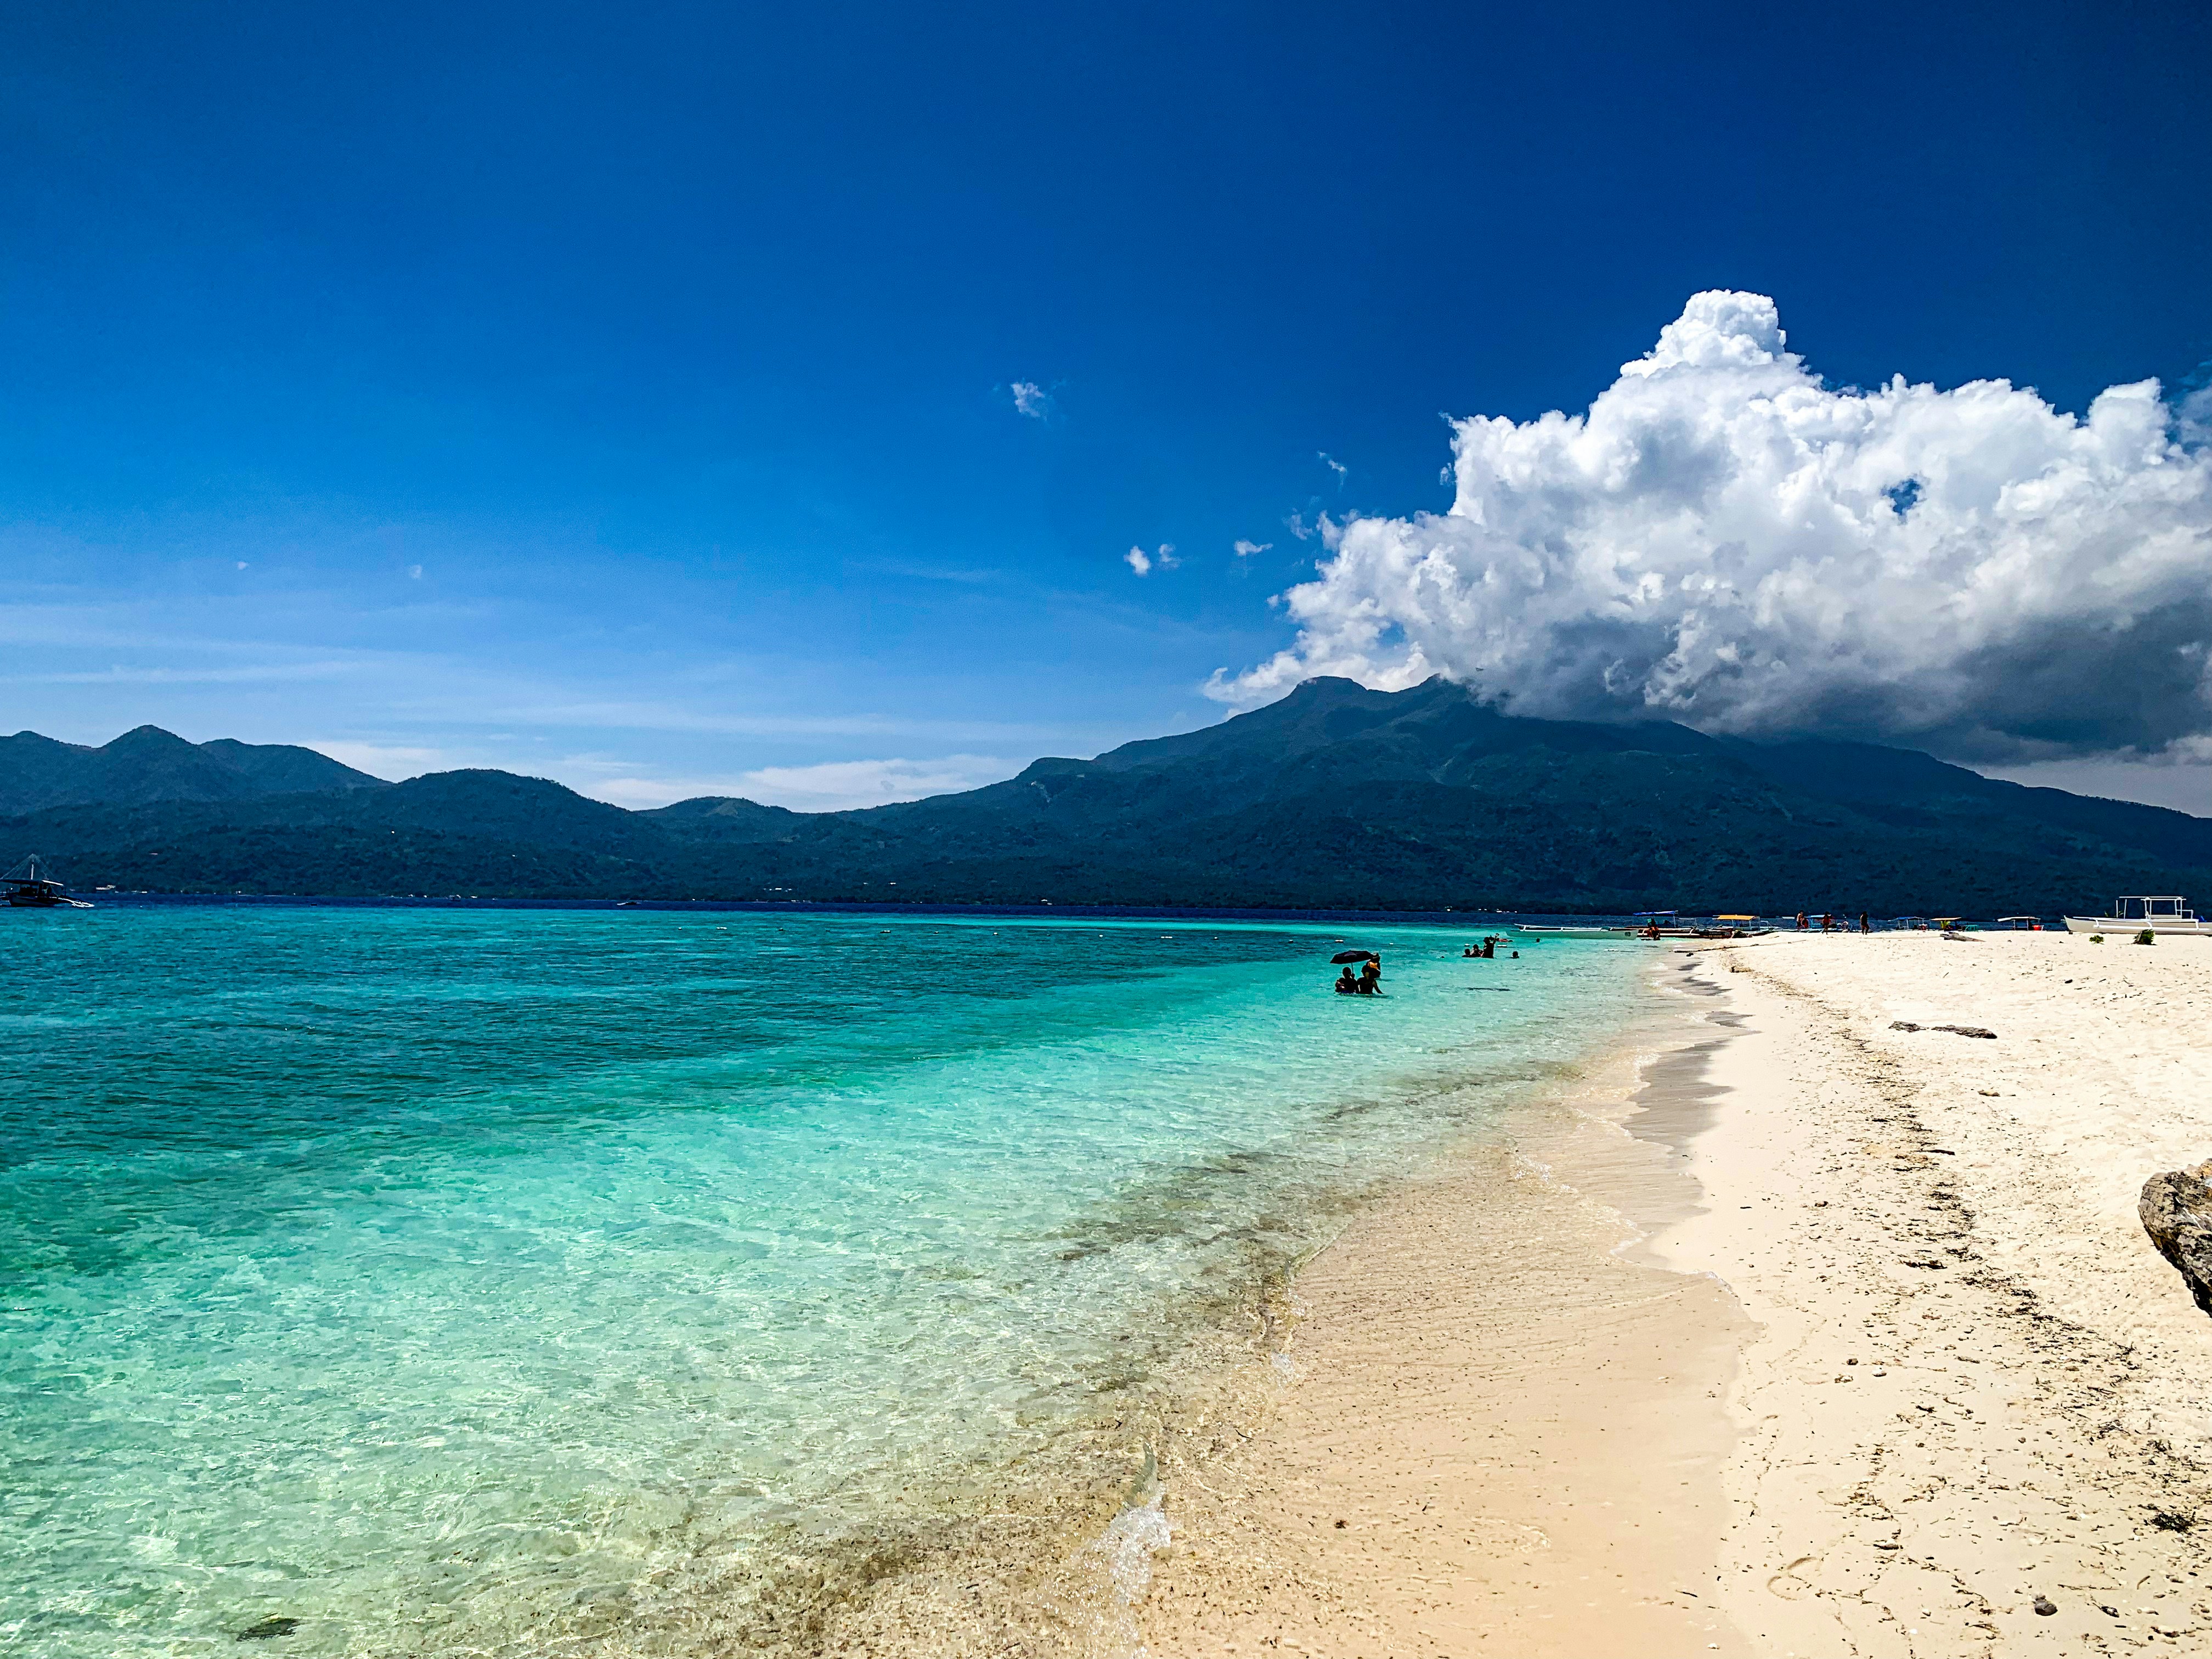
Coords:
pixel 1868 1452
pixel 1977 1385
pixel 1505 1428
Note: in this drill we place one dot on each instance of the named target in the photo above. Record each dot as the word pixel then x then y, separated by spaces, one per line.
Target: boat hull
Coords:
pixel 2132 925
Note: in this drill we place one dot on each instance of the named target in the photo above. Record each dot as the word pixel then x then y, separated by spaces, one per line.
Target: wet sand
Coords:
pixel 1504 1428
pixel 1827 1338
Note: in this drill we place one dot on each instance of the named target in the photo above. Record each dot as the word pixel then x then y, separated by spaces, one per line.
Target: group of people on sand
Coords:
pixel 1833 923
pixel 1368 982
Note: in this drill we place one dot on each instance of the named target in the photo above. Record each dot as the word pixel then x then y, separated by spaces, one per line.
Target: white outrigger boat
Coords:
pixel 2136 913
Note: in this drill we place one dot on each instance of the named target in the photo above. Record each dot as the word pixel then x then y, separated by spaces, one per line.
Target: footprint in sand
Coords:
pixel 1788 1584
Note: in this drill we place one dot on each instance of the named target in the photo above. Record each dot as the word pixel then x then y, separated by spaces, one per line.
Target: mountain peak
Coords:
pixel 146 737
pixel 148 764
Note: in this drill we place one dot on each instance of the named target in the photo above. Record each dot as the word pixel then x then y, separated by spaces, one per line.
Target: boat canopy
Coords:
pixel 2142 906
pixel 31 876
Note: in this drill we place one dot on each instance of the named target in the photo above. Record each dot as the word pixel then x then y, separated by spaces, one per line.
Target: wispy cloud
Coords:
pixel 1143 563
pixel 1245 550
pixel 1335 465
pixel 928 573
pixel 1032 400
pixel 828 786
pixel 246 674
pixel 651 716
pixel 391 762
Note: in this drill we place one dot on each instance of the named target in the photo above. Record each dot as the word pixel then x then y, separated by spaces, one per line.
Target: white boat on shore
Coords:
pixel 2137 912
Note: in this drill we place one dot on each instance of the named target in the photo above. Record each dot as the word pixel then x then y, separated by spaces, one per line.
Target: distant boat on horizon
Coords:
pixel 31 887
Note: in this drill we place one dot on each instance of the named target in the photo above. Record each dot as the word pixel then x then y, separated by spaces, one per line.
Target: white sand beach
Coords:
pixel 1832 1339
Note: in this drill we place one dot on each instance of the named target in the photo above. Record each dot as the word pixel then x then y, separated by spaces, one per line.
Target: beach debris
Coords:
pixel 1961 1031
pixel 2045 1606
pixel 267 1628
pixel 2176 1208
pixel 2172 1521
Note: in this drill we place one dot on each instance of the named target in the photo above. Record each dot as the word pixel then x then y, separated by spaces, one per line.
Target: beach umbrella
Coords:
pixel 1355 956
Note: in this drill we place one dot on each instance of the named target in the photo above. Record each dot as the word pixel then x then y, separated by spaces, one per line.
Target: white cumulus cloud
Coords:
pixel 1032 399
pixel 1724 540
pixel 1145 563
pixel 1245 550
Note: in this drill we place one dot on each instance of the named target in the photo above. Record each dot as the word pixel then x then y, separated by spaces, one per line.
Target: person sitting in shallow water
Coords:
pixel 1345 985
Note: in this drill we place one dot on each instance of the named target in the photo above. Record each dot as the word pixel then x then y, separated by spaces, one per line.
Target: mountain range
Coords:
pixel 149 764
pixel 1337 797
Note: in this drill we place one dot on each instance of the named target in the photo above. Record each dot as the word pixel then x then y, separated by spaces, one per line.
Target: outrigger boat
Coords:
pixel 2137 913
pixel 1673 923
pixel 31 887
pixel 1731 926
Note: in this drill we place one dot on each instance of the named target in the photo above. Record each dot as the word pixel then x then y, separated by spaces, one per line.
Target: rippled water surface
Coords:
pixel 364 1267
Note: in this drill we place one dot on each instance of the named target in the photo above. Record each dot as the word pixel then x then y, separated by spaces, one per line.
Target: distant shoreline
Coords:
pixel 818 906
pixel 1443 919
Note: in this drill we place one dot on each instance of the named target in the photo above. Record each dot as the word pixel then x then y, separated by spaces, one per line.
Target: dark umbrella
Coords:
pixel 1355 956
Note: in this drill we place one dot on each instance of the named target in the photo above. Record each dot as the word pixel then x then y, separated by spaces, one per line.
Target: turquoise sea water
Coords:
pixel 454 1281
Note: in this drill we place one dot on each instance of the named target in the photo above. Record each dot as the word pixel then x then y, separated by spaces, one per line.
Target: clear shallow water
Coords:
pixel 426 1276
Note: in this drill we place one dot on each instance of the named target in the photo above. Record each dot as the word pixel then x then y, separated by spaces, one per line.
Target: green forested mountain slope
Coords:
pixel 149 764
pixel 1336 797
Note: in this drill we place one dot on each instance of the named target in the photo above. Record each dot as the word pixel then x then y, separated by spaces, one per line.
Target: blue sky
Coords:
pixel 633 396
